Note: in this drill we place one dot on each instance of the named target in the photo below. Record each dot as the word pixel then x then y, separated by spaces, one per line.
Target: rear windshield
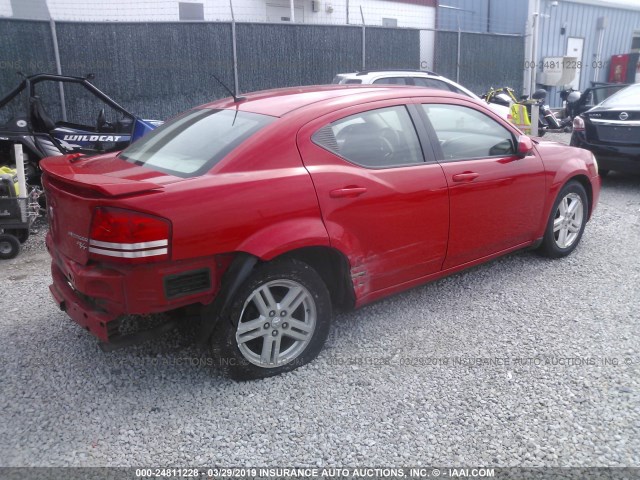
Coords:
pixel 191 144
pixel 626 98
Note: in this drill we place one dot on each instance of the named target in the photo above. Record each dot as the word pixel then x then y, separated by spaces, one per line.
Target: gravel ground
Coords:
pixel 550 357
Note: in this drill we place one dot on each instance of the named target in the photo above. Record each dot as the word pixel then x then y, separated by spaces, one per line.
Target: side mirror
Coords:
pixel 525 146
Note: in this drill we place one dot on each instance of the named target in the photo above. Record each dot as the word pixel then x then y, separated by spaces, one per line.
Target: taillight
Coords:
pixel 128 236
pixel 578 124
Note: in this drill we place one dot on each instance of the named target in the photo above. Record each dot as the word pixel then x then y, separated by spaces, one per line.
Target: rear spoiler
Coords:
pixel 62 169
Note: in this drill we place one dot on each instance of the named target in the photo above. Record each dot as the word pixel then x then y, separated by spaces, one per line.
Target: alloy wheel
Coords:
pixel 276 324
pixel 568 220
pixel 5 248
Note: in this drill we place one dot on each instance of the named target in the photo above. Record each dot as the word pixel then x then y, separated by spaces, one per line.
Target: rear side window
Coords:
pixel 380 138
pixel 392 81
pixel 465 133
pixel 344 80
pixel 431 83
pixel 193 143
pixel 439 84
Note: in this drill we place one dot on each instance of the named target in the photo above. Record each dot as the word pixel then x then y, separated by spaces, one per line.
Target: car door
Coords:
pixel 383 204
pixel 496 197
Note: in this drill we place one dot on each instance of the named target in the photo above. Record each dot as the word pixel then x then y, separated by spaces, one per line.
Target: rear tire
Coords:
pixel 566 222
pixel 21 234
pixel 278 321
pixel 9 246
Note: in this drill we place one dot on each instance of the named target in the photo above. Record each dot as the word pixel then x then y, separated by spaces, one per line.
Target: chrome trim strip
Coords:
pixel 139 254
pixel 617 123
pixel 130 246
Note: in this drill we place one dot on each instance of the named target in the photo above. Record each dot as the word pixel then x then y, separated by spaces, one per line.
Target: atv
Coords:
pixel 25 118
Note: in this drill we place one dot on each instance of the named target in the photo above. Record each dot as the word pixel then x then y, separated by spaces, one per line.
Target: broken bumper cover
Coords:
pixel 80 310
pixel 96 297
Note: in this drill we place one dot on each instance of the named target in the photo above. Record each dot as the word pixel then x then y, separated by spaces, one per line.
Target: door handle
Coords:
pixel 465 177
pixel 347 192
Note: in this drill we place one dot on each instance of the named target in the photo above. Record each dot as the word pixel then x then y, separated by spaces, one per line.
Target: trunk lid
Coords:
pixel 74 186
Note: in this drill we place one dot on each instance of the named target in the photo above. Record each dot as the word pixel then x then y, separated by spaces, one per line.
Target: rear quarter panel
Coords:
pixel 259 199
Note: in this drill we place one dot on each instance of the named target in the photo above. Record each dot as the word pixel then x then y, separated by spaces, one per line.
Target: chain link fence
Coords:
pixel 480 60
pixel 156 65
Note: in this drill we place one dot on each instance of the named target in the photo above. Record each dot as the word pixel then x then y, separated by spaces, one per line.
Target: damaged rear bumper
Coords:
pixel 96 296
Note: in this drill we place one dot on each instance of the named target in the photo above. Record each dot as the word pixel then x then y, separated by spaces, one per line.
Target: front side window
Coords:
pixel 380 138
pixel 465 133
pixel 193 143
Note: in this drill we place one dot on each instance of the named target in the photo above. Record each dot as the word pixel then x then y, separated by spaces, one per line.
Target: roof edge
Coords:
pixel 617 4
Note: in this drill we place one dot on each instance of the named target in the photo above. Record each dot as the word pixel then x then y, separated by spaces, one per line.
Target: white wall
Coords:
pixel 113 10
pixel 5 8
pixel 407 14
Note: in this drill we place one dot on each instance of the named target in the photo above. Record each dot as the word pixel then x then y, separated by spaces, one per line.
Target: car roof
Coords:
pixel 373 75
pixel 281 101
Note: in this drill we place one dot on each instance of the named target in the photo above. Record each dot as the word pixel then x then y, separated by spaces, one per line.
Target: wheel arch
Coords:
pixel 307 240
pixel 331 264
pixel 557 185
pixel 552 246
pixel 282 237
pixel 586 183
pixel 333 267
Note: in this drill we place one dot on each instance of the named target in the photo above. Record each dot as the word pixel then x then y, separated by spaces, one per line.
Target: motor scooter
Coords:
pixel 547 116
pixel 547 119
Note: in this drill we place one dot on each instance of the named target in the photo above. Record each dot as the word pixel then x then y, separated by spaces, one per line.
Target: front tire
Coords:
pixel 278 321
pixel 566 222
pixel 9 247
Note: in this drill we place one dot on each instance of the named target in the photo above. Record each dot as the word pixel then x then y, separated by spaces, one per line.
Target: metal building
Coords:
pixel 590 30
pixel 483 16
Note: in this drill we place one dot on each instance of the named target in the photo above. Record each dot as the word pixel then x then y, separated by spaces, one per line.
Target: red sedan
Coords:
pixel 262 215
